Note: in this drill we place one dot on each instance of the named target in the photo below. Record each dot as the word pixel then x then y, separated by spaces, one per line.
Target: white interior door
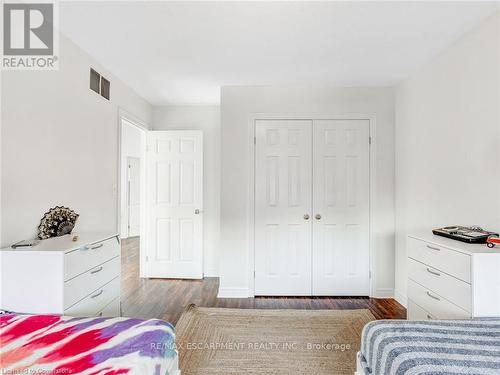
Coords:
pixel 175 204
pixel 133 196
pixel 341 207
pixel 283 190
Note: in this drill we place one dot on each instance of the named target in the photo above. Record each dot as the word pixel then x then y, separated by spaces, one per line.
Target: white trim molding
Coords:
pixel 401 298
pixel 234 293
pixel 136 121
pixel 384 293
pixel 212 272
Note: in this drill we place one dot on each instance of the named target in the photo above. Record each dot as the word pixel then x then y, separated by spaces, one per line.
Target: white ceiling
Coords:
pixel 183 52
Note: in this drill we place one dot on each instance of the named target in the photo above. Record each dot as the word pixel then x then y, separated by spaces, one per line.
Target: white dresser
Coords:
pixel 61 276
pixel 448 279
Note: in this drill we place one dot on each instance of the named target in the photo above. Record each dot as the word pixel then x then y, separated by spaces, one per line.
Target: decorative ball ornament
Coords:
pixel 56 222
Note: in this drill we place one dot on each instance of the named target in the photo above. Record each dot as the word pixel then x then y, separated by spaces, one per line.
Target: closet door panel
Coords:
pixel 340 256
pixel 283 191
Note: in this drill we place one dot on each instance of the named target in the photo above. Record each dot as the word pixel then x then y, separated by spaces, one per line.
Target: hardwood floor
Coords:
pixel 166 299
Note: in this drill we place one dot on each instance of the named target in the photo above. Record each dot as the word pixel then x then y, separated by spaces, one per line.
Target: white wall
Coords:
pixel 237 106
pixel 448 141
pixel 60 144
pixel 207 119
pixel 132 141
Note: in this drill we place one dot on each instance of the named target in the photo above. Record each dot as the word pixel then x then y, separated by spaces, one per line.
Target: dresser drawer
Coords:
pixel 111 310
pixel 441 258
pixel 415 312
pixel 82 285
pixel 96 301
pixel 451 288
pixel 82 260
pixel 437 306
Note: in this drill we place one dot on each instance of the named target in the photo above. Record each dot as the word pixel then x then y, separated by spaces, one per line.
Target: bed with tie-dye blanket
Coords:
pixel 437 347
pixel 53 344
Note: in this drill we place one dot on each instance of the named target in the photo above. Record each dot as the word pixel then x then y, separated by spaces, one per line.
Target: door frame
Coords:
pixel 129 158
pixel 371 117
pixel 123 115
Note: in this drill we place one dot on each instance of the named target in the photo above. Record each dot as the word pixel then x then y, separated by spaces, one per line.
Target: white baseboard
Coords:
pixel 210 273
pixel 384 293
pixel 233 293
pixel 401 298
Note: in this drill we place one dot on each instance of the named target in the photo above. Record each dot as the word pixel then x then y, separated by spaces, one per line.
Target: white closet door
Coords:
pixel 175 204
pixel 282 207
pixel 341 207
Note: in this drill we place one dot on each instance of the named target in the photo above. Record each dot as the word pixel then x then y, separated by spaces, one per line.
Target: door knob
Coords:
pixel 306 217
pixel 197 211
pixel 318 217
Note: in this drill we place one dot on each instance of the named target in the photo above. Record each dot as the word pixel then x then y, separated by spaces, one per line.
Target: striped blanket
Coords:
pixel 431 347
pixel 51 344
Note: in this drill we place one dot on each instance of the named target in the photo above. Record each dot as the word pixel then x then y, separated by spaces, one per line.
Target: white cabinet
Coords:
pixel 61 276
pixel 448 279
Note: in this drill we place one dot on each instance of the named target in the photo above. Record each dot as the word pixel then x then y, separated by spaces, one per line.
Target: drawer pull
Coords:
pixel 97 270
pixel 96 246
pixel 433 272
pixel 433 297
pixel 433 248
pixel 97 294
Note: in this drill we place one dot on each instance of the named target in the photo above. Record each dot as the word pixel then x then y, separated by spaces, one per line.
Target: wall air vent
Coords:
pixel 99 84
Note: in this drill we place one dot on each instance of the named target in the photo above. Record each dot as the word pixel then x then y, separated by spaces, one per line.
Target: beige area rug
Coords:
pixel 243 341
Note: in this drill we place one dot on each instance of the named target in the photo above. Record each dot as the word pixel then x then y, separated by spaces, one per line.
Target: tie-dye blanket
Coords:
pixel 53 344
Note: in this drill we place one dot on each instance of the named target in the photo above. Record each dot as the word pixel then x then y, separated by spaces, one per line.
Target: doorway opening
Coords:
pixel 132 205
